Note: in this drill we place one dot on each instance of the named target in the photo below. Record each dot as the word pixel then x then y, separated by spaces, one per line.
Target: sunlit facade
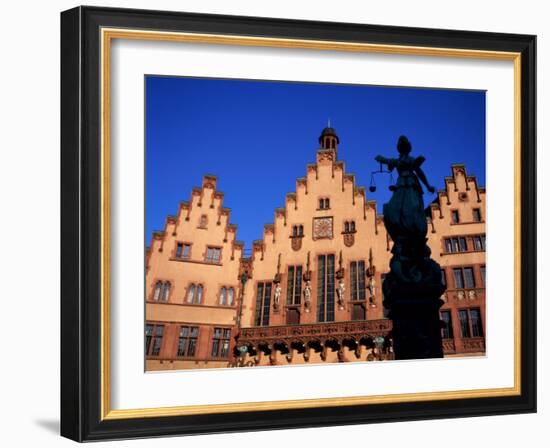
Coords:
pixel 310 291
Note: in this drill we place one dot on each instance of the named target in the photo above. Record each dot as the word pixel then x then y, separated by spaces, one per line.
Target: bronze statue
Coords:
pixel 404 215
pixel 413 287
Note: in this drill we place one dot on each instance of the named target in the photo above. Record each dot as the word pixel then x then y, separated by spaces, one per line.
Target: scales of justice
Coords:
pixel 413 287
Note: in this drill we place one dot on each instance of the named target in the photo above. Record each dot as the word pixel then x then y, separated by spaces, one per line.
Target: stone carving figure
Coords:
pixel 277 296
pixel 372 289
pixel 341 291
pixel 307 295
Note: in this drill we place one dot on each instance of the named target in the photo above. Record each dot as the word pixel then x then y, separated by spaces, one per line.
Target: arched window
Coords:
pixel 223 296
pixel 191 293
pixel 158 291
pixel 352 226
pixel 346 226
pixel 301 232
pixel 294 230
pixel 165 292
pixel 321 203
pixel 198 298
pixel 230 296
pixel 327 203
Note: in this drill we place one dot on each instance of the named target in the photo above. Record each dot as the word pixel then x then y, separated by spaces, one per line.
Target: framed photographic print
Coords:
pixel 276 224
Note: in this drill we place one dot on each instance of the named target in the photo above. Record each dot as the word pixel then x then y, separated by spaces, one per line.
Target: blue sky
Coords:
pixel 258 136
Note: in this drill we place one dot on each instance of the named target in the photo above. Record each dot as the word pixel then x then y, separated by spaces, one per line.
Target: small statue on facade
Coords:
pixel 307 295
pixel 372 291
pixel 277 296
pixel 341 291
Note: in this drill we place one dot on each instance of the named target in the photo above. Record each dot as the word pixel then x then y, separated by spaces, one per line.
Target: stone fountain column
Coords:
pixel 412 292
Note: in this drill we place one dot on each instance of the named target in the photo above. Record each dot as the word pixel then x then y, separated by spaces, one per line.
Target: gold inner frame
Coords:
pixel 107 35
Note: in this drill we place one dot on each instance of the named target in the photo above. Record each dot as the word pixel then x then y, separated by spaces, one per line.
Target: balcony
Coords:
pixel 368 339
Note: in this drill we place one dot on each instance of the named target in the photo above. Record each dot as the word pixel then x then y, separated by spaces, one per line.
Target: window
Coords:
pixel 454 245
pixel 161 291
pixel 227 295
pixel 324 203
pixel 294 285
pixel 349 226
pixel 464 278
pixel 357 280
pixel 263 303
pixel 455 218
pixel 469 281
pixel 482 273
pixel 187 342
pixel 443 278
pixel 447 331
pixel 470 323
pixel 459 278
pixel 203 222
pixel 213 254
pixel 479 242
pixel 153 339
pixel 220 342
pixel 476 213
pixel 475 319
pixel 325 288
pixel 298 230
pixel 464 323
pixel 194 293
pixel 183 250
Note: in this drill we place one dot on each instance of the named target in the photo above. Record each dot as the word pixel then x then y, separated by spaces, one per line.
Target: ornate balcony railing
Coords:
pixel 336 335
pixel 304 333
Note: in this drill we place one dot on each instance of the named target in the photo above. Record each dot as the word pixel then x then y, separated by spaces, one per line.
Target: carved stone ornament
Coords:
pixel 349 239
pixel 322 228
pixel 296 243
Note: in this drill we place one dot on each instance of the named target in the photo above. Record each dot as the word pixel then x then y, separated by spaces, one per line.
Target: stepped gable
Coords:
pixel 326 155
pixel 460 188
pixel 203 198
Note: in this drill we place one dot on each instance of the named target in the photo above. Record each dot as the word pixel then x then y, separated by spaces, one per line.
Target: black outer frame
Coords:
pixel 81 208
